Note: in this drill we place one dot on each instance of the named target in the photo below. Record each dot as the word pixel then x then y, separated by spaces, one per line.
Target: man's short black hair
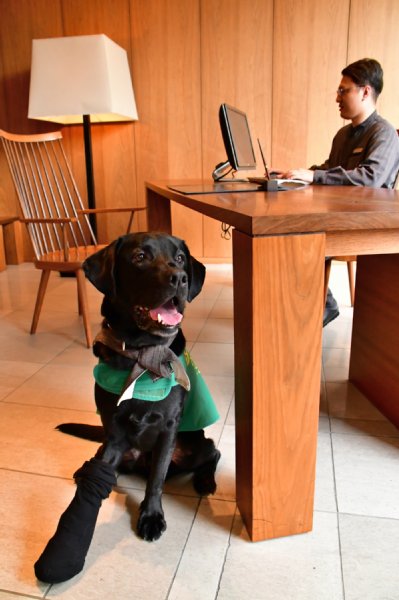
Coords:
pixel 366 71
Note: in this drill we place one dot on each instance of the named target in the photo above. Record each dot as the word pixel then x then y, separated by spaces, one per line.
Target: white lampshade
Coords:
pixel 80 75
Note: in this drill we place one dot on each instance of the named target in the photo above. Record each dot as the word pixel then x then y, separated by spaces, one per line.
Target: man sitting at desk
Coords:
pixel 365 152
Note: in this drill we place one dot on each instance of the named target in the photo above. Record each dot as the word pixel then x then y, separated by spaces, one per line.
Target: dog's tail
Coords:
pixel 94 433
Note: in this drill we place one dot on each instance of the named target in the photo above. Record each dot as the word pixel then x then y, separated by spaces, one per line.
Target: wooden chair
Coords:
pixel 350 263
pixel 52 209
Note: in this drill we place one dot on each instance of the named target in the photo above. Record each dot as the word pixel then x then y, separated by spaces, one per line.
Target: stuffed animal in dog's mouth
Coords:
pixel 151 398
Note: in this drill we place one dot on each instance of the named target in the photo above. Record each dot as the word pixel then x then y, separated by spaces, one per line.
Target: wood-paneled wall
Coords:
pixel 278 60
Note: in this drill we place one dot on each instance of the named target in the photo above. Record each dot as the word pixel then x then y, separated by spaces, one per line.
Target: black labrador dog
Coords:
pixel 146 279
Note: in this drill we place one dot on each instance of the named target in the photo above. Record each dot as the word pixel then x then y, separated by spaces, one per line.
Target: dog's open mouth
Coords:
pixel 164 316
pixel 167 314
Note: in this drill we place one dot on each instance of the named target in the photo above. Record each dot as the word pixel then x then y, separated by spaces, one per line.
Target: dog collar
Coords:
pixel 109 338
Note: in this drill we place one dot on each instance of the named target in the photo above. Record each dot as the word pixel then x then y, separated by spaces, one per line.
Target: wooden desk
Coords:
pixel 279 244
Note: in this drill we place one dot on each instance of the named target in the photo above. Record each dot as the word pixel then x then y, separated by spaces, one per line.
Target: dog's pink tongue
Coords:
pixel 166 314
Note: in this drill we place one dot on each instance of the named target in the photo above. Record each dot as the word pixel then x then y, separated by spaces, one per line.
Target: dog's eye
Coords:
pixel 180 259
pixel 138 256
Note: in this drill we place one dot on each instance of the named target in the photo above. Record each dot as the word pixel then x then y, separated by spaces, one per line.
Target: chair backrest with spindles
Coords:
pixel 47 190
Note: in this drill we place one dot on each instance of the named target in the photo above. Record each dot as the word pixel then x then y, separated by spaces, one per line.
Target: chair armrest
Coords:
pixel 57 221
pixel 132 210
pixel 105 210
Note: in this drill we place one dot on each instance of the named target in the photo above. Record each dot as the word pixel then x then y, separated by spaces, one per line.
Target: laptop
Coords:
pixel 217 187
pixel 271 184
pixel 274 184
pixel 254 184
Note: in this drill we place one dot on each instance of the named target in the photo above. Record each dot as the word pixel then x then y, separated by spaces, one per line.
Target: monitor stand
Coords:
pixel 222 169
pixel 217 172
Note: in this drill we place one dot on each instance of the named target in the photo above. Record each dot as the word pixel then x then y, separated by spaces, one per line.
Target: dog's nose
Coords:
pixel 178 279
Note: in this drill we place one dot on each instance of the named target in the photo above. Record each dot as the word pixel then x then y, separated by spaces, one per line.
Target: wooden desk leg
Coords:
pixel 2 251
pixel 278 306
pixel 158 212
pixel 374 364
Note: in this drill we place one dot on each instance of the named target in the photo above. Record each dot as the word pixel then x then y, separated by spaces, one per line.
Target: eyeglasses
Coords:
pixel 343 91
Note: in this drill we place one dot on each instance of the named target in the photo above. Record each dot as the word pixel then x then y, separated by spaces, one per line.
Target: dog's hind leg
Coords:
pixel 204 476
pixel 65 553
pixel 197 454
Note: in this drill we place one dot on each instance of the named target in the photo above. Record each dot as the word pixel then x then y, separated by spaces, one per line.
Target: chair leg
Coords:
pixel 327 269
pixel 84 305
pixel 351 276
pixel 79 304
pixel 39 299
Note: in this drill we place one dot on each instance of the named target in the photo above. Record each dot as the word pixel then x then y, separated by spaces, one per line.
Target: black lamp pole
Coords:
pixel 91 196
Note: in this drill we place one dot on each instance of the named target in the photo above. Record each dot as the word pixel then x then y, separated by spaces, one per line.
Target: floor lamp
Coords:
pixel 81 79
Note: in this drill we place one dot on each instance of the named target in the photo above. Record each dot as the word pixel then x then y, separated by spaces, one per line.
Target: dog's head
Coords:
pixel 147 278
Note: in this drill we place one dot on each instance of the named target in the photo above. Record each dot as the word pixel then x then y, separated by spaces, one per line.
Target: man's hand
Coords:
pixel 302 174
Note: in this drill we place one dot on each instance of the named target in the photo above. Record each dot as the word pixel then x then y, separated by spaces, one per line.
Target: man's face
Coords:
pixel 350 98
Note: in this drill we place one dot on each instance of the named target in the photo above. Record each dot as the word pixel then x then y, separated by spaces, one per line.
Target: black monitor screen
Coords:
pixel 236 138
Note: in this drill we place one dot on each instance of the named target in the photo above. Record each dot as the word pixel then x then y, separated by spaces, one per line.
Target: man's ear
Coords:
pixel 99 268
pixel 368 92
pixel 196 274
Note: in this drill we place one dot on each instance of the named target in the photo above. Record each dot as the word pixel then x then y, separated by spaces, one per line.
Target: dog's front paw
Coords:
pixel 151 526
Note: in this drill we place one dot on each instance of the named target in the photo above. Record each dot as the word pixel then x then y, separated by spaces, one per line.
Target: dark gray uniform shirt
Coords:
pixel 367 154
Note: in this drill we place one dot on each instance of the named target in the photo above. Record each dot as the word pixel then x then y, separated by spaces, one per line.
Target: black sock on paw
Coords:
pixel 65 553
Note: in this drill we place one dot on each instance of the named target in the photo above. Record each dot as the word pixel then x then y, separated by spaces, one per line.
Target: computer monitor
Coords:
pixel 237 140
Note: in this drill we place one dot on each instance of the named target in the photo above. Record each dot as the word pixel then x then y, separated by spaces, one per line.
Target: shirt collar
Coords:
pixel 365 124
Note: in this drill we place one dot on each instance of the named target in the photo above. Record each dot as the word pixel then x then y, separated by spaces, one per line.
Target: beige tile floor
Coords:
pixel 352 552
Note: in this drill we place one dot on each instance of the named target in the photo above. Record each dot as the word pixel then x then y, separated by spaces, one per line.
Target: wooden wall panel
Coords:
pixel 236 60
pixel 166 65
pixel 373 32
pixel 20 22
pixel 184 112
pixel 309 50
pixel 278 60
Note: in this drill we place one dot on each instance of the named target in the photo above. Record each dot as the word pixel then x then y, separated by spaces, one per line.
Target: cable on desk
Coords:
pixel 226 231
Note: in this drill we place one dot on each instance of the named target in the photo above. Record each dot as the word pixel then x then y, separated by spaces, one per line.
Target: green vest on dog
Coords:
pixel 199 409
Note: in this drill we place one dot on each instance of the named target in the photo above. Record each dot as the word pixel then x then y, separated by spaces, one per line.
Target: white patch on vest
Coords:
pixel 128 393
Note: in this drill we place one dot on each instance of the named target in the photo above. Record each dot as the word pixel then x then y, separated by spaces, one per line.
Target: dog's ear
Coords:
pixel 99 268
pixel 196 274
